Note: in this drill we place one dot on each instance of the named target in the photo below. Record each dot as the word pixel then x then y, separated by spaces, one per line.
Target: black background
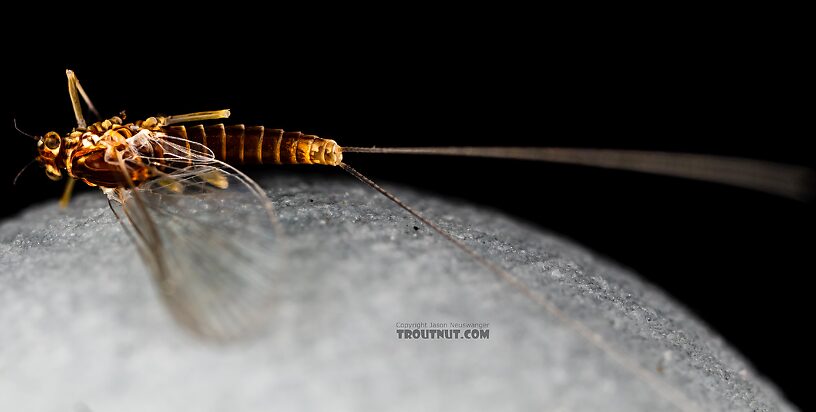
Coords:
pixel 740 260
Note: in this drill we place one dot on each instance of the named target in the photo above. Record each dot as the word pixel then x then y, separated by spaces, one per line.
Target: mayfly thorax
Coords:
pixel 156 170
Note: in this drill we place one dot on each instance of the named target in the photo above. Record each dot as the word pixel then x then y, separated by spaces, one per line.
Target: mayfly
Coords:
pixel 168 179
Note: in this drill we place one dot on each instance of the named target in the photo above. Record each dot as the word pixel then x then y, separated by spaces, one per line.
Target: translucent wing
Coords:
pixel 208 234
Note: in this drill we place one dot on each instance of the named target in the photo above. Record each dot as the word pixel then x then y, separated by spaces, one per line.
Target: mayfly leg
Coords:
pixel 66 194
pixel 75 90
pixel 193 117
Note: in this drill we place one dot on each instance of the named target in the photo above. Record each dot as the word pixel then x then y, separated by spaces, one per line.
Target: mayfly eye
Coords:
pixel 52 140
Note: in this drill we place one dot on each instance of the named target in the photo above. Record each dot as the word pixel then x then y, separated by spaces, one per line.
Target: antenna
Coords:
pixel 31 136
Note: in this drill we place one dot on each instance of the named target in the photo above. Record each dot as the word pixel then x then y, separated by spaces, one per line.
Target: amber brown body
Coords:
pixel 239 144
pixel 88 153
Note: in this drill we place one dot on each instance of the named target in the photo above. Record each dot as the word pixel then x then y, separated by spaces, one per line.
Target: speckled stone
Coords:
pixel 83 327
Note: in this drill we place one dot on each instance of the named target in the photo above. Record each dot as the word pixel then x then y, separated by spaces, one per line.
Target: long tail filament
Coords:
pixel 795 182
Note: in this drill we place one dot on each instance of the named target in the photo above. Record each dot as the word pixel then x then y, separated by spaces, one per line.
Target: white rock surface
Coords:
pixel 83 328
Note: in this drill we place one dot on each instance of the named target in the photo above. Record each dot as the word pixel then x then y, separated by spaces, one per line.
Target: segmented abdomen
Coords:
pixel 239 144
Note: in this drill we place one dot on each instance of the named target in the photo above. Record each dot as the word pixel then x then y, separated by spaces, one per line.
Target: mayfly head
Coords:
pixel 48 147
pixel 52 151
